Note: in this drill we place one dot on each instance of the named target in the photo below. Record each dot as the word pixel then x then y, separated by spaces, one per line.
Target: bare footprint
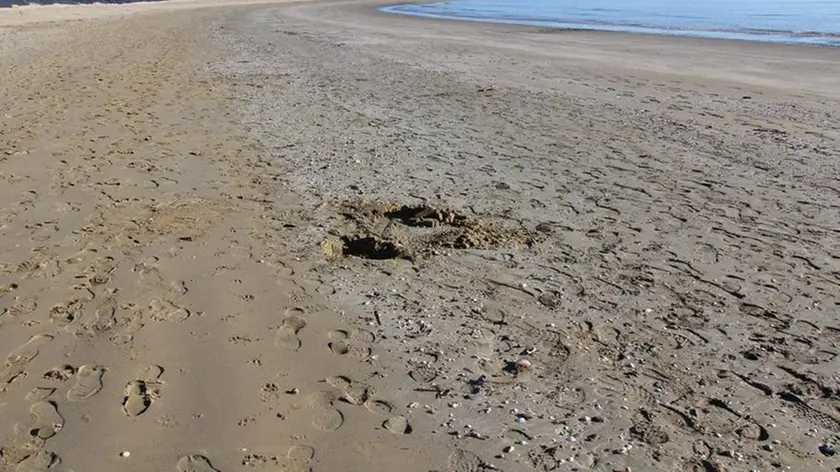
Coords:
pixel 287 333
pixel 41 461
pixel 195 463
pixel 45 421
pixel 88 383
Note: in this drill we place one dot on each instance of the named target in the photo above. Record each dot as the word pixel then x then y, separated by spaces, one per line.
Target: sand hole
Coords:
pixel 371 247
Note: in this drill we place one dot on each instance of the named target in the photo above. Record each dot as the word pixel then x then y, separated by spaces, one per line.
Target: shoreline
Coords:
pixel 770 37
pixel 770 65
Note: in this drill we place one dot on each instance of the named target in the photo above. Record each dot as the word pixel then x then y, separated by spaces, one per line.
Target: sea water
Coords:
pixel 785 21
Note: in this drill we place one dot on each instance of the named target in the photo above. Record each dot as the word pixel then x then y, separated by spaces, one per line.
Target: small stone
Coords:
pixel 520 419
pixel 293 391
pixel 508 449
pixel 125 454
pixel 827 450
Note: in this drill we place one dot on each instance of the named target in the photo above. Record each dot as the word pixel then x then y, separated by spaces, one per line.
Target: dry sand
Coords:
pixel 315 237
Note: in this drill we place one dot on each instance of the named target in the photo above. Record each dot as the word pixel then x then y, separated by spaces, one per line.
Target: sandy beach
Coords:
pixel 316 237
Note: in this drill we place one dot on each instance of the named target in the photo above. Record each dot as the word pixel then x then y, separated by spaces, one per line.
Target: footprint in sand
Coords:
pixel 24 354
pixel 164 310
pixel 350 342
pixel 22 306
pixel 138 397
pixel 397 425
pixel 63 314
pixel 195 463
pixel 60 373
pixel 354 393
pixel 44 422
pixel 287 333
pixel 325 416
pixel 88 383
pixel 465 461
pixel 298 459
pixel 20 357
pixel 136 400
pixel 380 407
pixel 41 461
pixel 39 394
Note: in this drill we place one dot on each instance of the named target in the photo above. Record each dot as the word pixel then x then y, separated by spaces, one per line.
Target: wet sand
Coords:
pixel 317 237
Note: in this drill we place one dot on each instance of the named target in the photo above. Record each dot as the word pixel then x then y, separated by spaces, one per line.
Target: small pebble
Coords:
pixel 293 391
pixel 125 454
pixel 520 419
pixel 508 449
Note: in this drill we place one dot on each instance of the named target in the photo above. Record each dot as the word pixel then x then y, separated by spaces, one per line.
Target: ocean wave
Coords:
pixel 465 11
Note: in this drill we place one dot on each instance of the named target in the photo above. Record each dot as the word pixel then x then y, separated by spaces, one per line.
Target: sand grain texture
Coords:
pixel 315 237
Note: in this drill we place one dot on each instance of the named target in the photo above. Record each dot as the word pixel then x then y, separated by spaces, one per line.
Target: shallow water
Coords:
pixel 786 21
